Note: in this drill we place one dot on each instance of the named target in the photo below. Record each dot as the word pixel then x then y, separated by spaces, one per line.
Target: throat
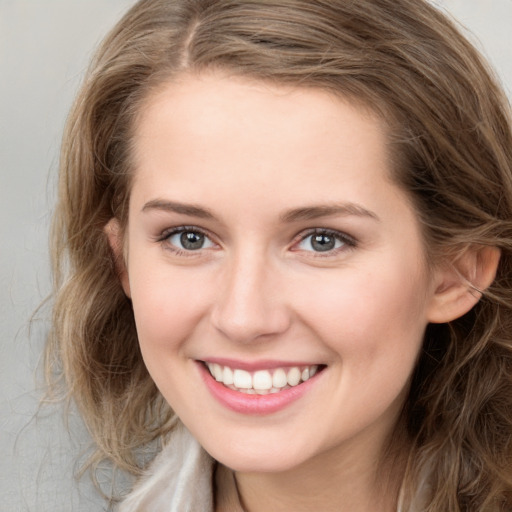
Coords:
pixel 226 494
pixel 236 492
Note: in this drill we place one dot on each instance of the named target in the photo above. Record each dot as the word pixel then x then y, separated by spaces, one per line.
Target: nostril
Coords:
pixel 246 325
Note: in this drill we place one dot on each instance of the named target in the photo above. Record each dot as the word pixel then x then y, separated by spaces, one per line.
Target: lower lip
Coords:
pixel 254 404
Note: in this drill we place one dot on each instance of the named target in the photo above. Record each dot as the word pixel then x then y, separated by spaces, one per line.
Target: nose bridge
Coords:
pixel 250 304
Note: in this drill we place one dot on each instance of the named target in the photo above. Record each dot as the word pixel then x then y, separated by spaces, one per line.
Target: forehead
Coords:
pixel 257 123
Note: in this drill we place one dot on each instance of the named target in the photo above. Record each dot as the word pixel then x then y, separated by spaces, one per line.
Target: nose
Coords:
pixel 251 305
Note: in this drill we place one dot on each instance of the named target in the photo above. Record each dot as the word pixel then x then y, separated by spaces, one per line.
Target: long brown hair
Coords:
pixel 450 136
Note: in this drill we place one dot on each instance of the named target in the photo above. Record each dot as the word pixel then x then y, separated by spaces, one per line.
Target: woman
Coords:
pixel 287 224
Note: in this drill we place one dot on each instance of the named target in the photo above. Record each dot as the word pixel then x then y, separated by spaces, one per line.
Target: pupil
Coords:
pixel 323 242
pixel 192 241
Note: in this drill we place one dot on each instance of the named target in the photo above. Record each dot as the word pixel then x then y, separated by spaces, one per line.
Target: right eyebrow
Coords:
pixel 176 207
pixel 327 210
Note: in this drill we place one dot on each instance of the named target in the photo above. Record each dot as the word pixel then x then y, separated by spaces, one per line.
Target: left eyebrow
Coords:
pixel 175 207
pixel 317 211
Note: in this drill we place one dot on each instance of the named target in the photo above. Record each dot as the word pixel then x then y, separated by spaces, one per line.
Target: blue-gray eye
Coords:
pixel 190 240
pixel 321 242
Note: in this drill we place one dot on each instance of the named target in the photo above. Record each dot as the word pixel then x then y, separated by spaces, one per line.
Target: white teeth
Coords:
pixel 293 376
pixel 217 372
pixel 242 379
pixel 279 378
pixel 227 376
pixel 261 382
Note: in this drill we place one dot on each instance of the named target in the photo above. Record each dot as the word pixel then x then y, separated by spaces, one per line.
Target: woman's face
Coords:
pixel 268 245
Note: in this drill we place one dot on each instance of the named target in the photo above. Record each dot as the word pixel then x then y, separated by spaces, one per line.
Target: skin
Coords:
pixel 248 154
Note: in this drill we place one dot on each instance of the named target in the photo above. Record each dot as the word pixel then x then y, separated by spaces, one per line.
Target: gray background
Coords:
pixel 44 48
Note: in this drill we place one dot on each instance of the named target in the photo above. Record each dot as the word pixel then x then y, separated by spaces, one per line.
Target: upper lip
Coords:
pixel 264 364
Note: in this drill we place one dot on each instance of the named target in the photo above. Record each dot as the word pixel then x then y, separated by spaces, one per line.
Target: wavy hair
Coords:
pixel 450 137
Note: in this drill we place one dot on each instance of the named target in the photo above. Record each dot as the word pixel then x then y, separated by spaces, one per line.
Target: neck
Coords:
pixel 354 490
pixel 335 481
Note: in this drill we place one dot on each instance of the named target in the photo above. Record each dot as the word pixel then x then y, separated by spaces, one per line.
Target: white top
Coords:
pixel 178 480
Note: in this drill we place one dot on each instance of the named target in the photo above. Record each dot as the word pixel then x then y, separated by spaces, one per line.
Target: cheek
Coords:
pixel 373 323
pixel 363 315
pixel 167 306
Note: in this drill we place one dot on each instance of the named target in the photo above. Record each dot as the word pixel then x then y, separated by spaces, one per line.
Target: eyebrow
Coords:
pixel 317 211
pixel 175 207
pixel 294 215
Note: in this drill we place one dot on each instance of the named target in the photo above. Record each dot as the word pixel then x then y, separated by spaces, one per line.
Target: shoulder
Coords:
pixel 178 480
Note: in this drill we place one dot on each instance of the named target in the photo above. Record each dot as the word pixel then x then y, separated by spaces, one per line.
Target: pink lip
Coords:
pixel 254 404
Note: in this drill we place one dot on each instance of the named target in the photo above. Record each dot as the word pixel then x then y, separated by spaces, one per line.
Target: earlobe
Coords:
pixel 113 231
pixel 459 285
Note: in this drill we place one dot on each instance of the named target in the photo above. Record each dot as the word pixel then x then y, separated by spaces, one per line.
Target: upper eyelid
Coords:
pixel 182 229
pixel 334 232
pixel 166 234
pixel 299 237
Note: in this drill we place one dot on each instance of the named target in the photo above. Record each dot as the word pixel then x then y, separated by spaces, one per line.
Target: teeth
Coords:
pixel 227 376
pixel 217 372
pixel 279 378
pixel 242 379
pixel 261 382
pixel 293 376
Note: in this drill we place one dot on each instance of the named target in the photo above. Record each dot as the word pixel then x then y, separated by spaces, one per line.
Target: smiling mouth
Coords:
pixel 262 382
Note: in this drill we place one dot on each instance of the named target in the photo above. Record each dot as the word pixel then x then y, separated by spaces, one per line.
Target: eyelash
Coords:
pixel 347 241
pixel 166 236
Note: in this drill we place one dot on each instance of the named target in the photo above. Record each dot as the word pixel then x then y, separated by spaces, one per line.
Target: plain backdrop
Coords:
pixel 44 49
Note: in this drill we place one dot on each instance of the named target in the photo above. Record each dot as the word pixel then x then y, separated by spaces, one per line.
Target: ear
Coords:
pixel 113 231
pixel 459 285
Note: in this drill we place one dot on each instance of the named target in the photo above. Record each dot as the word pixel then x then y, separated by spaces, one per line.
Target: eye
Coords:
pixel 188 239
pixel 324 241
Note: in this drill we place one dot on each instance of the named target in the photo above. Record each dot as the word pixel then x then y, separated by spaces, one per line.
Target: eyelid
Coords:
pixel 349 242
pixel 166 233
pixel 169 232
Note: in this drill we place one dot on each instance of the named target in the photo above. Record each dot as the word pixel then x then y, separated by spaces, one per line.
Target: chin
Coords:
pixel 255 458
pixel 258 464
